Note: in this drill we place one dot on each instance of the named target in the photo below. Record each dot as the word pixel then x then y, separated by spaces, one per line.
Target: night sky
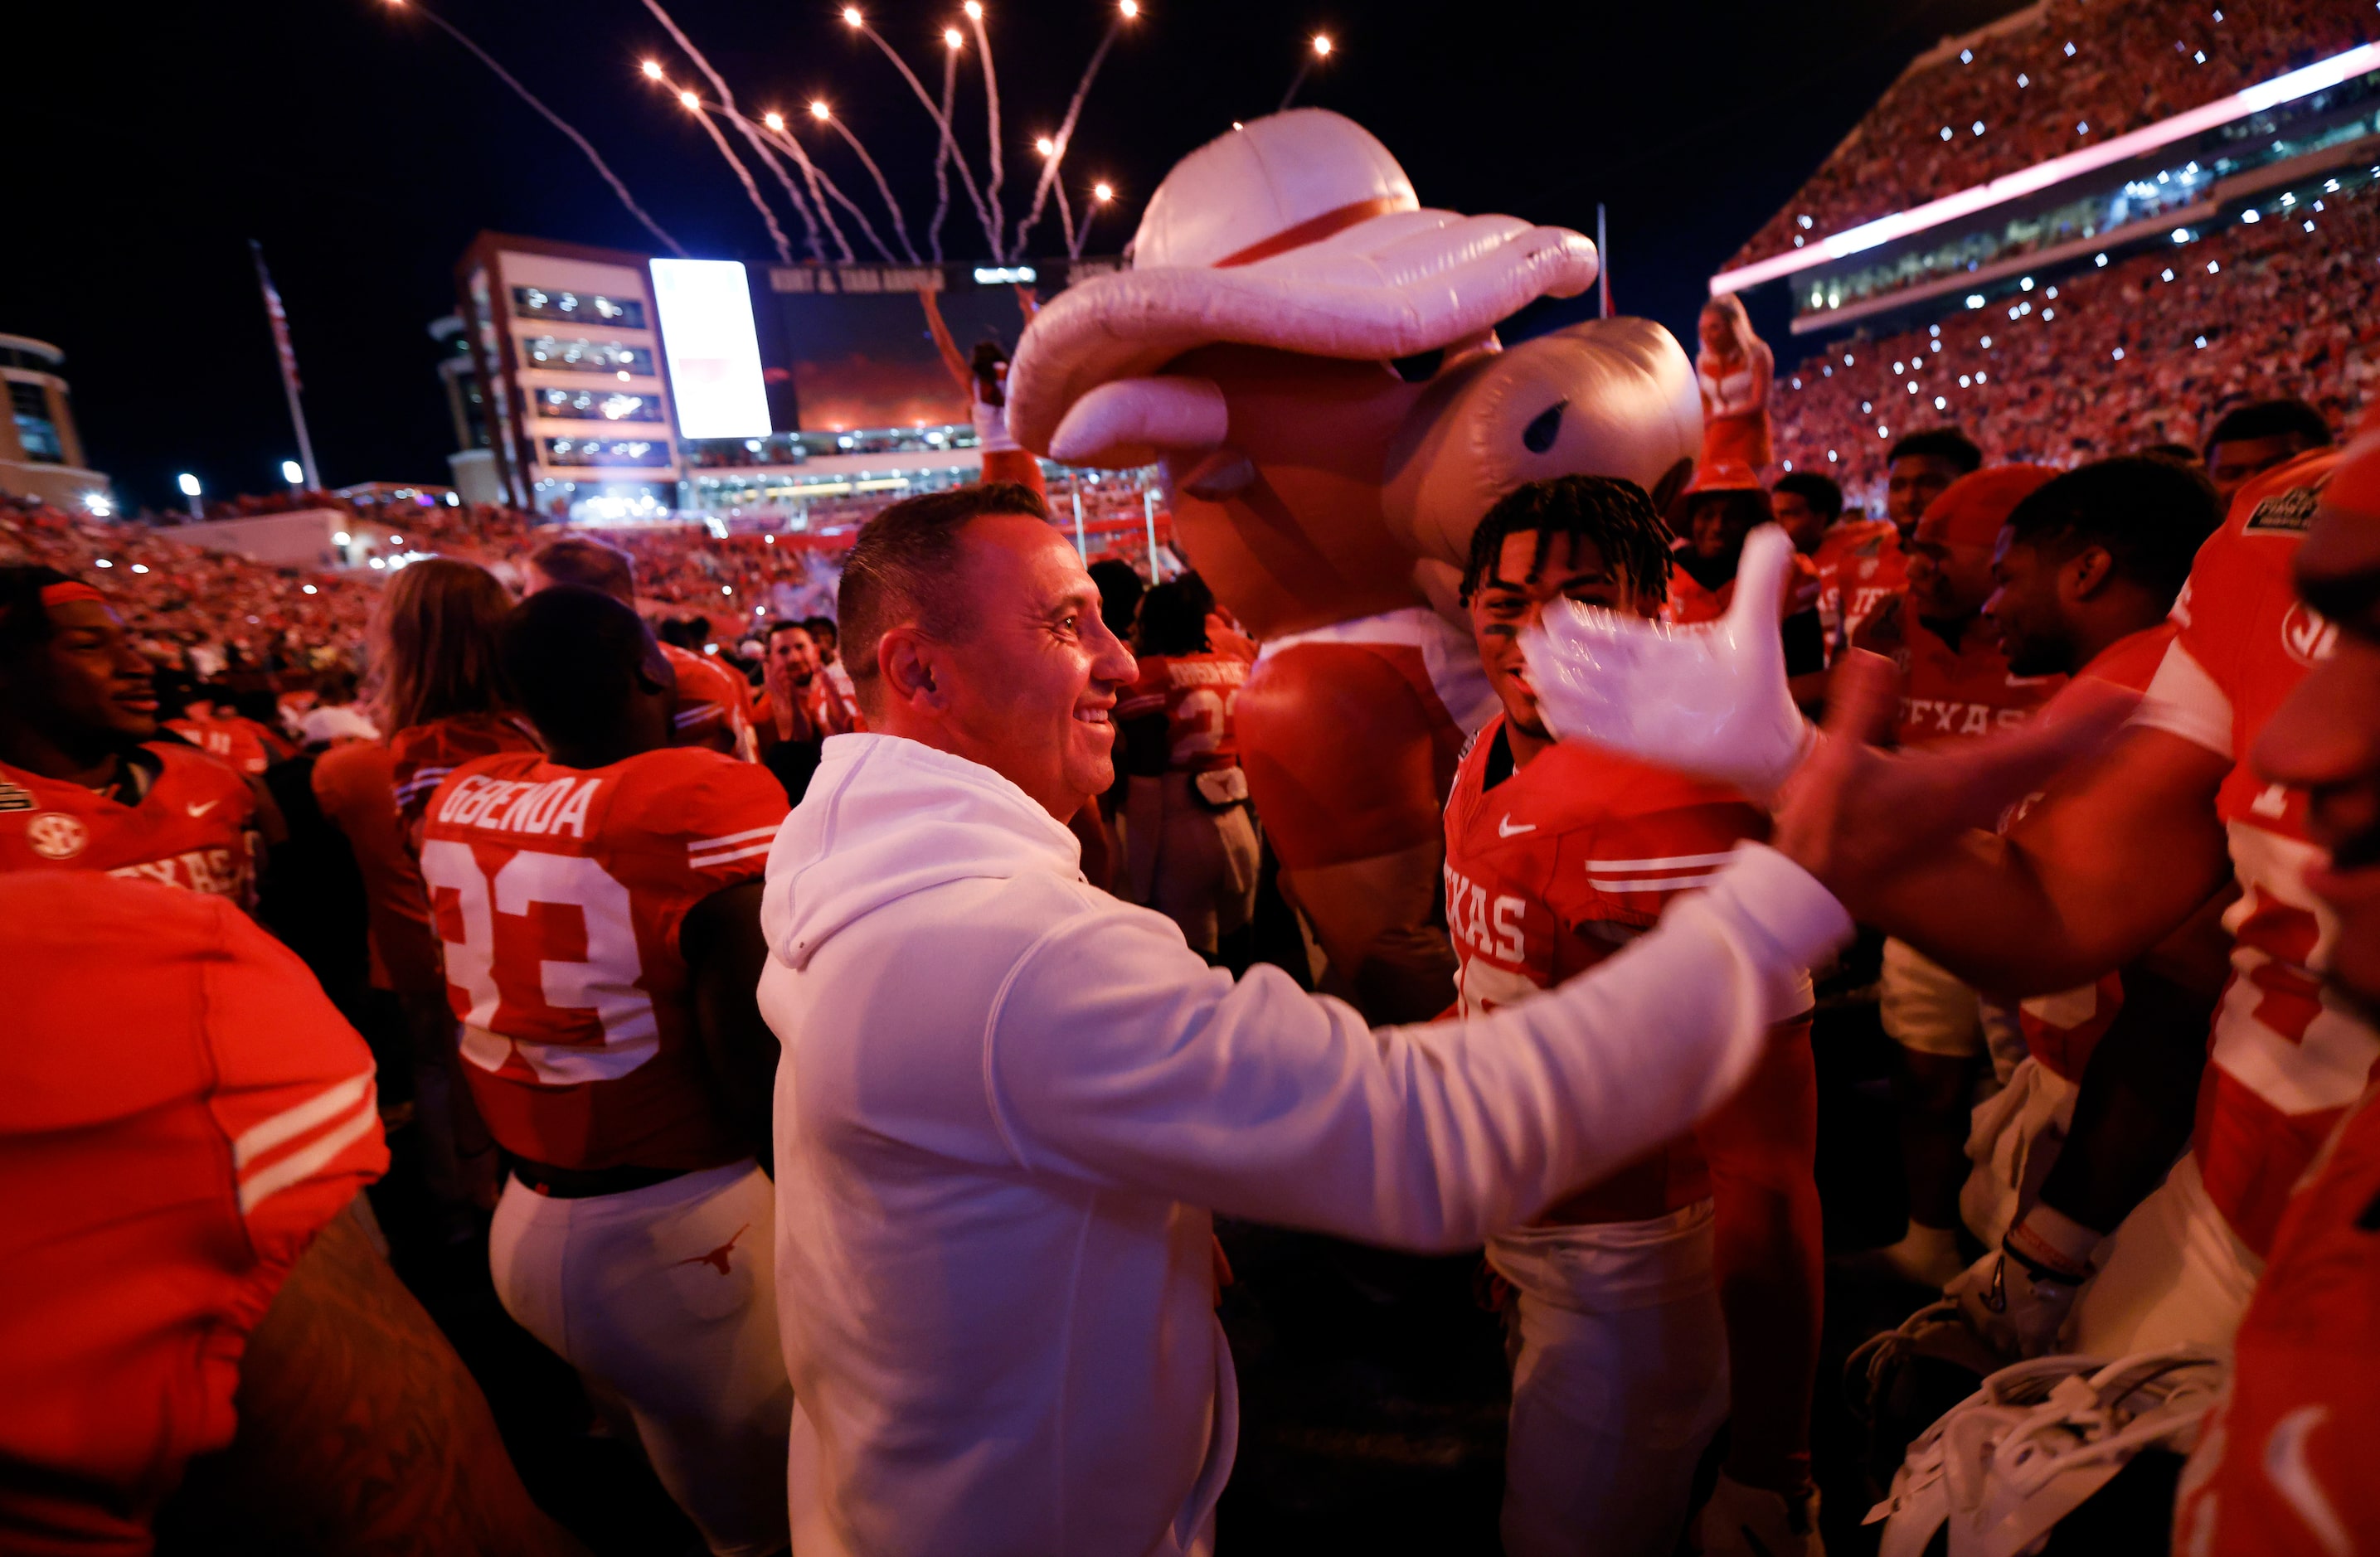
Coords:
pixel 142 145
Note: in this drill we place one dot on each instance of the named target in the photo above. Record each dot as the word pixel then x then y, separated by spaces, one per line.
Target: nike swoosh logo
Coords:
pixel 1504 828
pixel 197 810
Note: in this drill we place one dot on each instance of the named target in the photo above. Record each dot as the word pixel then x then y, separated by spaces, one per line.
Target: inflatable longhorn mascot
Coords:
pixel 1311 358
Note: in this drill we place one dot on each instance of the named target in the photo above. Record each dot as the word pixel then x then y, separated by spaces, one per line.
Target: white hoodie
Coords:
pixel 1008 1102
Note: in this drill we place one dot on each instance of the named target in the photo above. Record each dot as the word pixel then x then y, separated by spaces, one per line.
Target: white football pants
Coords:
pixel 666 1297
pixel 2172 1273
pixel 1619 1383
pixel 2015 1140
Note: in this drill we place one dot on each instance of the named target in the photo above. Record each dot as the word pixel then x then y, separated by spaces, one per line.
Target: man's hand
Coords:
pixel 1851 814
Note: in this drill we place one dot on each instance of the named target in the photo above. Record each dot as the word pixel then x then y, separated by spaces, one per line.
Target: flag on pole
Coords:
pixel 1602 264
pixel 278 318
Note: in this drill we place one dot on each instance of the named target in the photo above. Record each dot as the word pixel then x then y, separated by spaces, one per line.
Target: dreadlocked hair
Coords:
pixel 1613 513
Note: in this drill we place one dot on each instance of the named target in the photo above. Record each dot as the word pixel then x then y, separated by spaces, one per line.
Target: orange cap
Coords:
pixel 1723 476
pixel 1971 510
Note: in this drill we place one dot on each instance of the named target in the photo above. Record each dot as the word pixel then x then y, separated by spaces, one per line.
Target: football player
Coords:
pixel 2251 439
pixel 1957 686
pixel 714 702
pixel 187 1254
pixel 1685 1288
pixel 2084 572
pixel 2286 1467
pixel 2114 858
pixel 1190 837
pixel 85 783
pixel 600 909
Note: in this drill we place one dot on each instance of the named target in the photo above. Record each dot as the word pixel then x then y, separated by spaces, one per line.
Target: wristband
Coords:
pixel 2052 1246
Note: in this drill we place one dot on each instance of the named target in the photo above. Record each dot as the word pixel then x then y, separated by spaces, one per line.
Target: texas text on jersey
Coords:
pixel 559 893
pixel 1954 692
pixel 1552 867
pixel 2286 1057
pixel 1197 693
pixel 183 819
pixel 165 1159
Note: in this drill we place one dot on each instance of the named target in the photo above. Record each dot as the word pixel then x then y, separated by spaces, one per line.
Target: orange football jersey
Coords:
pixel 2287 1057
pixel 1552 867
pixel 181 1110
pixel 1197 695
pixel 714 703
pixel 421 756
pixel 1951 694
pixel 194 828
pixel 237 741
pixel 1860 565
pixel 2284 1466
pixel 559 893
pixel 2060 1030
pixel 355 785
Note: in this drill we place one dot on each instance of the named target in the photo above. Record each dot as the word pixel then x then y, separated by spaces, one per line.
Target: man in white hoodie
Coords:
pixel 1009 1102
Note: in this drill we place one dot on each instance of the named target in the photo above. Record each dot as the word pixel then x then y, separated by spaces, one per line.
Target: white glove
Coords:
pixel 1742 1521
pixel 1710 700
pixel 2016 1310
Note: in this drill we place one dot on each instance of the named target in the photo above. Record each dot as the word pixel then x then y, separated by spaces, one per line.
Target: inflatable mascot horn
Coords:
pixel 1311 358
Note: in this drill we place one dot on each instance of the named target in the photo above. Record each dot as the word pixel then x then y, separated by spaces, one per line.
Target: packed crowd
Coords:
pixel 2078 73
pixel 219 616
pixel 2109 359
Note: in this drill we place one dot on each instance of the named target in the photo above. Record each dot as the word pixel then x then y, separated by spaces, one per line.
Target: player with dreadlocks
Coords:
pixel 1629 1297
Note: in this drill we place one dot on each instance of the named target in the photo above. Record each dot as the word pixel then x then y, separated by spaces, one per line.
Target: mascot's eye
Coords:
pixel 1538 435
pixel 1419 370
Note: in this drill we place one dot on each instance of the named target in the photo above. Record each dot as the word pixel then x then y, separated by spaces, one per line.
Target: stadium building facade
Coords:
pixel 41 452
pixel 585 387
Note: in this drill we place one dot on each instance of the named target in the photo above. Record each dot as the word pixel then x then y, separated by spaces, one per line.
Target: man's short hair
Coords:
pixel 788 625
pixel 589 564
pixel 903 571
pixel 24 620
pixel 572 655
pixel 2150 512
pixel 1615 515
pixel 822 629
pixel 1942 444
pixel 1825 498
pixel 2181 453
pixel 2270 418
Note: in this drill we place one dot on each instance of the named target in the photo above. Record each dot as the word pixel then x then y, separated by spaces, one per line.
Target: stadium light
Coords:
pixel 188 483
pixel 1103 192
pixel 851 17
pixel 292 472
pixel 652 69
pixel 1322 45
pixel 1130 8
pixel 2288 87
pixel 773 119
pixel 974 10
pixel 1046 146
pixel 819 111
pixel 951 38
pixel 689 100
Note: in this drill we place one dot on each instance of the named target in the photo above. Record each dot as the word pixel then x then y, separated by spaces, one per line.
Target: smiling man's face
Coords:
pixel 2324 739
pixel 87 686
pixel 1034 681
